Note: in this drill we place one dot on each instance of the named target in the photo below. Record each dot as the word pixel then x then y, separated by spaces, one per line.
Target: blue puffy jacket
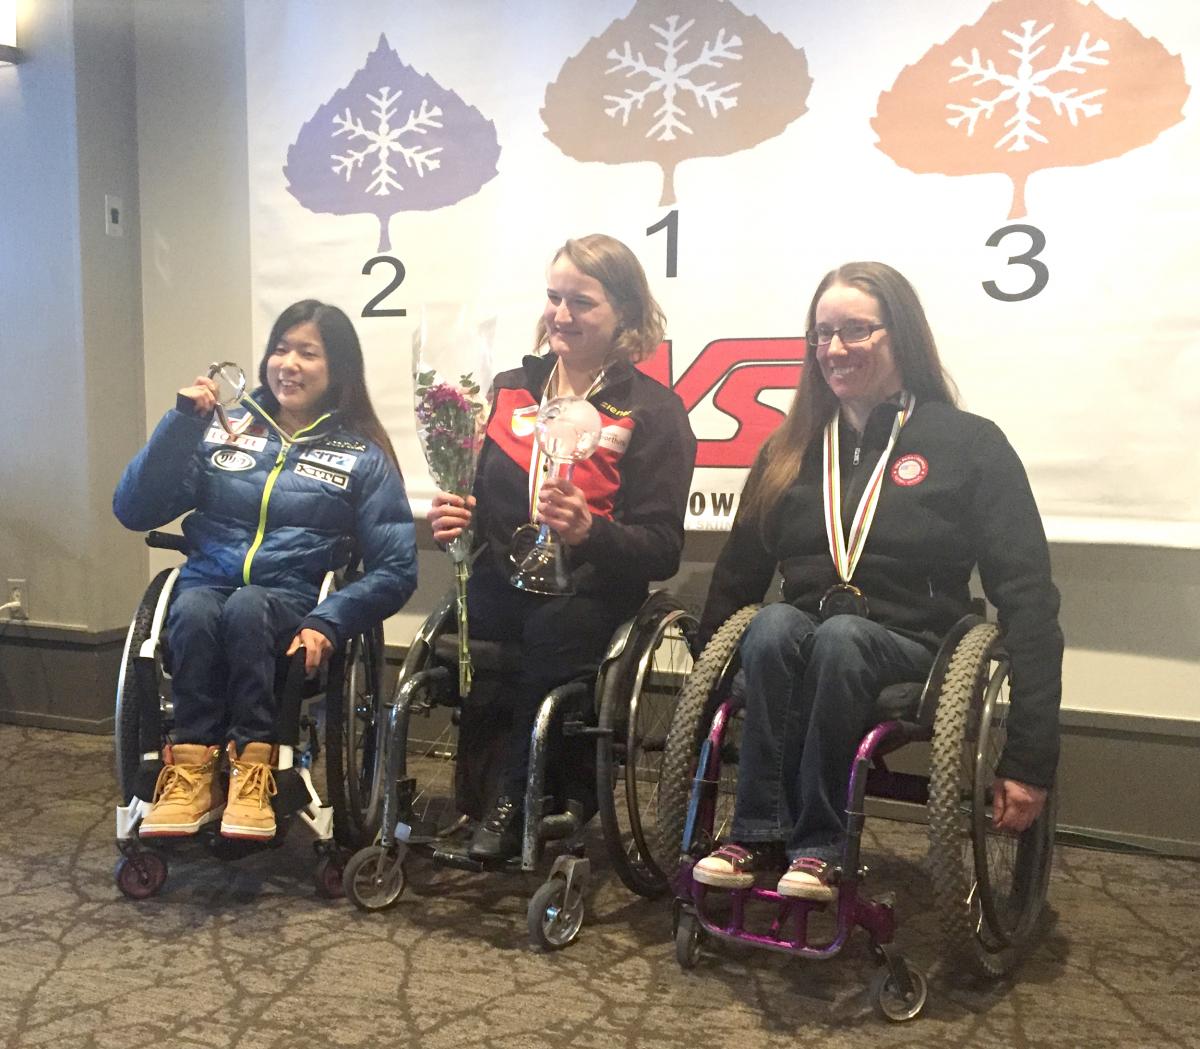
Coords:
pixel 272 515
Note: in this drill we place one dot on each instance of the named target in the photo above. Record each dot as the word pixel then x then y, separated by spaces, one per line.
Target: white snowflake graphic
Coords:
pixel 1026 85
pixel 385 141
pixel 672 77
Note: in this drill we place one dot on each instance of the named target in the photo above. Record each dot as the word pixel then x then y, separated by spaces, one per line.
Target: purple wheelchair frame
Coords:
pixel 789 930
pixel 899 989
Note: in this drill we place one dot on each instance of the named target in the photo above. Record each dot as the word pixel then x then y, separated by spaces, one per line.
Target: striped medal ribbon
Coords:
pixel 843 597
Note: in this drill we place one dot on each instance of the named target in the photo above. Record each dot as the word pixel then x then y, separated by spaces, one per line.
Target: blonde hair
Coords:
pixel 640 321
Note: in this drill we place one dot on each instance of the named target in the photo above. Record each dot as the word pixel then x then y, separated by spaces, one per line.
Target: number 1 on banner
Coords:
pixel 669 222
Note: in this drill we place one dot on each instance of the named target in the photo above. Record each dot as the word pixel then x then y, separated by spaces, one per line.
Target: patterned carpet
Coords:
pixel 244 954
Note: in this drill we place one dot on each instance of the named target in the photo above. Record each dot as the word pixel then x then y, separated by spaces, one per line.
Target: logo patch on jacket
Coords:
pixel 334 460
pixel 255 437
pixel 909 470
pixel 524 419
pixel 232 460
pixel 348 444
pixel 333 477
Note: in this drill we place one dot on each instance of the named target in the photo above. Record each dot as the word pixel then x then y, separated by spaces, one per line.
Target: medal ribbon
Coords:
pixel 539 461
pixel 845 556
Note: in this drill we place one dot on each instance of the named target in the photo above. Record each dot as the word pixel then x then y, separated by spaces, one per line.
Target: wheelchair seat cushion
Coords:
pixel 495 657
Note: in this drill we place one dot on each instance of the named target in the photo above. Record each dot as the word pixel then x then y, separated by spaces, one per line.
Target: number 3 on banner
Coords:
pixel 669 222
pixel 1041 273
pixel 372 308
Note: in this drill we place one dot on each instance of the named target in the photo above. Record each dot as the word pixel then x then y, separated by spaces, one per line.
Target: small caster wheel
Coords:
pixel 374 877
pixel 687 940
pixel 140 874
pixel 555 915
pixel 327 877
pixel 888 1000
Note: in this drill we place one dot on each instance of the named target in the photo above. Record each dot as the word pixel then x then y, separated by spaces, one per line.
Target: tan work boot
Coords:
pixel 248 812
pixel 187 794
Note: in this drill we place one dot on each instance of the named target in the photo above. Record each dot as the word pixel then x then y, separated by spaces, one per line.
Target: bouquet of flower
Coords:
pixel 451 414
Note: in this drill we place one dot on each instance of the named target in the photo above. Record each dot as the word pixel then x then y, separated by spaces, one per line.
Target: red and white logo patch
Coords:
pixel 909 470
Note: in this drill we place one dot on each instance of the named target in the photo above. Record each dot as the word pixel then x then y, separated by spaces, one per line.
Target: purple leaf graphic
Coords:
pixel 391 140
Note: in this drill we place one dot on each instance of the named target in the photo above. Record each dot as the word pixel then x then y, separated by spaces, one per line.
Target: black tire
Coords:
pixel 989 888
pixel 637 707
pixel 374 878
pixel 554 920
pixel 140 875
pixel 697 702
pixel 687 941
pixel 327 878
pixel 127 719
pixel 354 724
pixel 890 1003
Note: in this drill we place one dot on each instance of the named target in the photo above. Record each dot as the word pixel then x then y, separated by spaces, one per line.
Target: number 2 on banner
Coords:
pixel 1041 273
pixel 669 222
pixel 372 308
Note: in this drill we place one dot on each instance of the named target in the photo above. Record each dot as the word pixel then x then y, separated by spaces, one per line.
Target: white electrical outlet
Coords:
pixel 18 599
pixel 113 216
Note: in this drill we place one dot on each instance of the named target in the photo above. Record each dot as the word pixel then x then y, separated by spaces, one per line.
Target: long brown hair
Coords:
pixel 913 349
pixel 347 393
pixel 640 321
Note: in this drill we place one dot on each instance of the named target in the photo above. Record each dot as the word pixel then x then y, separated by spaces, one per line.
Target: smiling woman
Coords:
pixel 621 516
pixel 271 497
pixel 876 549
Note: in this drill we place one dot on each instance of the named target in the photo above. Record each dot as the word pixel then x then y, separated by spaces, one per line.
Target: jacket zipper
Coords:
pixel 280 459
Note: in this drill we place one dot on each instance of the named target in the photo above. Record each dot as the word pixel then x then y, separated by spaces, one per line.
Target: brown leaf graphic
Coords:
pixel 1033 84
pixel 689 78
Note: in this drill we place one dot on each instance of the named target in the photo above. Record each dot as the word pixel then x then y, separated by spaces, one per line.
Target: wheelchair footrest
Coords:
pixel 292 792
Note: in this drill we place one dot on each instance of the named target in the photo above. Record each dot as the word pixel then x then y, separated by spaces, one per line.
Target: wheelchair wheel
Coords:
pixel 140 875
pixel 687 941
pixel 429 751
pixel 893 1004
pixel 374 877
pixel 353 734
pixel 638 701
pixel 989 887
pixel 127 721
pixel 555 915
pixel 699 699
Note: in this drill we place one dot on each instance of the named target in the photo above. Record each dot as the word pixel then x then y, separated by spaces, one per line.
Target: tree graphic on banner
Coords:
pixel 1033 84
pixel 391 140
pixel 672 81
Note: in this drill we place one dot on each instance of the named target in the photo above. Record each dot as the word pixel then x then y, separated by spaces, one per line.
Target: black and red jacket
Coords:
pixel 636 482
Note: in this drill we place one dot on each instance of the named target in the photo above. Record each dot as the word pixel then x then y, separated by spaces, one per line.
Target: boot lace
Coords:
pixel 252 781
pixel 178 782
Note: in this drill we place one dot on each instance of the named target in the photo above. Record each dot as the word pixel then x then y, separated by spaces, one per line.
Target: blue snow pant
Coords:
pixel 224 644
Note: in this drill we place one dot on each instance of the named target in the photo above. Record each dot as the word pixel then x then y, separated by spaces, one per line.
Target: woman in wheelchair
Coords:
pixel 621 518
pixel 270 505
pixel 875 499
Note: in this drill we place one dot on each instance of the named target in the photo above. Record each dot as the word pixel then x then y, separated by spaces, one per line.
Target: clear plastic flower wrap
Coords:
pixel 452 379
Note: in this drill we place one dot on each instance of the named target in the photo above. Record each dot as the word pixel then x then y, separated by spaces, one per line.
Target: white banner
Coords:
pixel 1030 165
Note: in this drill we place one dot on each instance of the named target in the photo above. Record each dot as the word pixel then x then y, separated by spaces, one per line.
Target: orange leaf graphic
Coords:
pixel 676 80
pixel 1033 84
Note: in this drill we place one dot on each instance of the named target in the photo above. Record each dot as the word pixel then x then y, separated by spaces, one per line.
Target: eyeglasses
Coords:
pixel 850 332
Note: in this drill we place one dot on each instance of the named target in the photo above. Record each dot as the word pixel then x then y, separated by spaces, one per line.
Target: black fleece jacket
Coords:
pixel 955 496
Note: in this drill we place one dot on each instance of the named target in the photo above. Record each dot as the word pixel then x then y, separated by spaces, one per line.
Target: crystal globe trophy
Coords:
pixel 568 431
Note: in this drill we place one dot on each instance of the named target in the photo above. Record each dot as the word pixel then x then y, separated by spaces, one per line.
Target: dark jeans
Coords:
pixel 224 644
pixel 562 639
pixel 811 689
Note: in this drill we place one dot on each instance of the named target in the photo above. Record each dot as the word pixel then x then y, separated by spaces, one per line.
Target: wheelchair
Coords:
pixel 343 707
pixel 427 805
pixel 989 888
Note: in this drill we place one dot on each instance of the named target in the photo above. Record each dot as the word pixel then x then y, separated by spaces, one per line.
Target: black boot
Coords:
pixel 498 837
